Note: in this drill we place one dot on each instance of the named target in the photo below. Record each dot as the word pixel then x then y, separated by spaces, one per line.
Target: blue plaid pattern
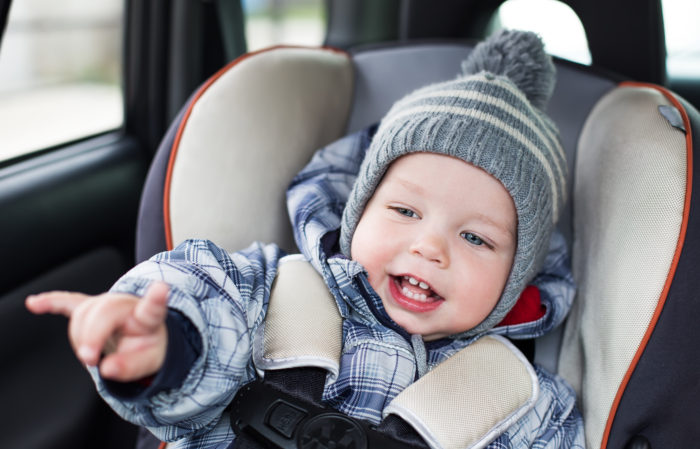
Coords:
pixel 225 297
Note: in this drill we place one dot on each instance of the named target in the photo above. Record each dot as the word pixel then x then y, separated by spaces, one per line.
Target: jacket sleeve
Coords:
pixel 183 349
pixel 224 298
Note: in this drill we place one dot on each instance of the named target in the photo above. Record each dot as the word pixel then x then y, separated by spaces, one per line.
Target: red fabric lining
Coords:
pixel 528 308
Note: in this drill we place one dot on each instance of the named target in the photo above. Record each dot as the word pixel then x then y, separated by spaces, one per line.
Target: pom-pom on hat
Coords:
pixel 491 116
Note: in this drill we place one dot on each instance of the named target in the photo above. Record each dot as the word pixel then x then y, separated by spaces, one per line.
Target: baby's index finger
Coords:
pixel 58 303
pixel 153 307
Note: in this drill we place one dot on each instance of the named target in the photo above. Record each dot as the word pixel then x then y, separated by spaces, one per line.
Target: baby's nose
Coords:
pixel 431 246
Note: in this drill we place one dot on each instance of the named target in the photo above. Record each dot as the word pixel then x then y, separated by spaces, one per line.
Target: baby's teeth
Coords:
pixel 413 281
pixel 417 296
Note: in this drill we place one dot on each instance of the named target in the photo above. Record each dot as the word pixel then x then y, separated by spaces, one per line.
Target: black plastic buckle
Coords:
pixel 290 423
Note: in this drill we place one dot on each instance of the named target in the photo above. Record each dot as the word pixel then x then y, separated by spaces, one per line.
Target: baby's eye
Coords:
pixel 405 212
pixel 472 238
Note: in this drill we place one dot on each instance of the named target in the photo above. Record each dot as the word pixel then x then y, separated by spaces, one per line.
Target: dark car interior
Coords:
pixel 69 213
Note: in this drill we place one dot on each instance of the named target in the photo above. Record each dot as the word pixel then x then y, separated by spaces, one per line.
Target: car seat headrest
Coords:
pixel 631 199
pixel 244 135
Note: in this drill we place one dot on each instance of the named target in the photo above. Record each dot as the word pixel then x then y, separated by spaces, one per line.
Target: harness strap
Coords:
pixel 488 385
pixel 302 326
pixel 263 415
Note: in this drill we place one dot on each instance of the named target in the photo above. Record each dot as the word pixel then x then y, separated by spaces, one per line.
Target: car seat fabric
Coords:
pixel 150 226
pixel 661 397
pixel 222 170
pixel 632 208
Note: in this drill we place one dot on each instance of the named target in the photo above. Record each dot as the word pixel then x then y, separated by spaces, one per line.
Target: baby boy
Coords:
pixel 448 221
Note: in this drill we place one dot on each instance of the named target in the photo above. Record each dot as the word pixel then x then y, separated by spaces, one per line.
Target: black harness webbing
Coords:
pixel 285 411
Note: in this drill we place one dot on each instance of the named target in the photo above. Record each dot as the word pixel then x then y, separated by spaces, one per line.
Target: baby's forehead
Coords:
pixel 427 155
pixel 422 160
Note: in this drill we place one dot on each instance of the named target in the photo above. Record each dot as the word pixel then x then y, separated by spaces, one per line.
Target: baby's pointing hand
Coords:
pixel 128 331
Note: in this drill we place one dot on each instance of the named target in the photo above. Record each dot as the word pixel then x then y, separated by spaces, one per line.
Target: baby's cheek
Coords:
pixel 374 279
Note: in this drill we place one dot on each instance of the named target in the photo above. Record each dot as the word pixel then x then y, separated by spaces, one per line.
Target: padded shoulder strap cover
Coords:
pixel 303 326
pixel 489 385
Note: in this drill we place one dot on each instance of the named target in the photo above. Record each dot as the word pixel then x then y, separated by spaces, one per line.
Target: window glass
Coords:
pixel 682 38
pixel 60 68
pixel 291 22
pixel 561 32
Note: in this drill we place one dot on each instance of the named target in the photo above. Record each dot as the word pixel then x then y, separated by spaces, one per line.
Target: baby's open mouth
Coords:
pixel 416 289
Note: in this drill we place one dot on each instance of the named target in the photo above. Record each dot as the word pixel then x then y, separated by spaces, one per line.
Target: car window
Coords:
pixel 60 70
pixel 562 32
pixel 290 22
pixel 682 38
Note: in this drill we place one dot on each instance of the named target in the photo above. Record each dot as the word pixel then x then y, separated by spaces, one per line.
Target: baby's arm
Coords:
pixel 128 332
pixel 215 303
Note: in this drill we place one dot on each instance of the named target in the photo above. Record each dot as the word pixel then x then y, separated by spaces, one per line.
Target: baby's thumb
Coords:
pixel 151 310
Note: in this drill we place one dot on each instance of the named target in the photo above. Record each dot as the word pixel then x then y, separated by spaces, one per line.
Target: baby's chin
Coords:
pixel 410 325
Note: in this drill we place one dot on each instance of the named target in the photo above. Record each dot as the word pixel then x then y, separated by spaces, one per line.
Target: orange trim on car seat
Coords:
pixel 162 445
pixel 181 127
pixel 674 264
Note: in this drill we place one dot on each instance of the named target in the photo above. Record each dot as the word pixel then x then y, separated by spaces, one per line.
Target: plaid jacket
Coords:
pixel 224 299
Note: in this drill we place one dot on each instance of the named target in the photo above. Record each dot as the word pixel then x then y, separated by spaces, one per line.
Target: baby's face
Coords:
pixel 437 239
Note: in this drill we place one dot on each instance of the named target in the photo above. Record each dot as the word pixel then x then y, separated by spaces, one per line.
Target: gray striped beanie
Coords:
pixel 491 116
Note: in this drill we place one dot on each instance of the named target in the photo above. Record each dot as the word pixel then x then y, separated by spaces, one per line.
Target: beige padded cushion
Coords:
pixel 246 137
pixel 629 194
pixel 470 398
pixel 303 326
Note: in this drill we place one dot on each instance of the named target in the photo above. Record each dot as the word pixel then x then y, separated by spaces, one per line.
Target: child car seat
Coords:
pixel 628 346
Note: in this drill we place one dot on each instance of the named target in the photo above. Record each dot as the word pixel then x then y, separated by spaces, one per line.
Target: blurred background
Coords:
pixel 60 62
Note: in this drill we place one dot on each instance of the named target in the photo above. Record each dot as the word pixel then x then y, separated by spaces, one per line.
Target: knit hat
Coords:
pixel 491 116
